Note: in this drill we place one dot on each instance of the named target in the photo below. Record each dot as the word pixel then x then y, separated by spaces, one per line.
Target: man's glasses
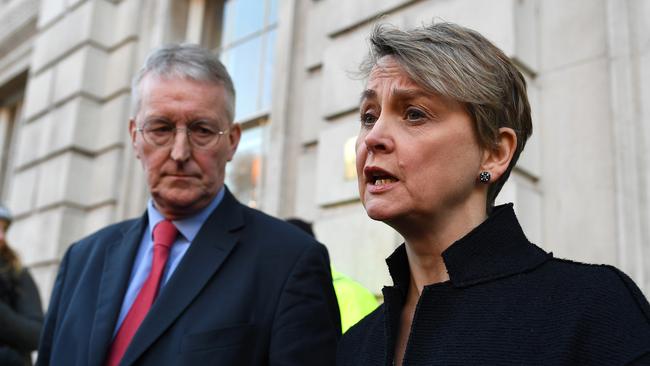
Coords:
pixel 200 134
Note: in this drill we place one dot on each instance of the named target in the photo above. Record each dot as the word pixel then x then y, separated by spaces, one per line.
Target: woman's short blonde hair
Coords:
pixel 459 63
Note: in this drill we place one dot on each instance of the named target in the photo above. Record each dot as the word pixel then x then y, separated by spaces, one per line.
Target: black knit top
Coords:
pixel 507 302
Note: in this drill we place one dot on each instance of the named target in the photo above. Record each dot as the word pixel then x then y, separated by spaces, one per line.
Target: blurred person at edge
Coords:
pixel 21 313
pixel 199 278
pixel 444 117
pixel 355 301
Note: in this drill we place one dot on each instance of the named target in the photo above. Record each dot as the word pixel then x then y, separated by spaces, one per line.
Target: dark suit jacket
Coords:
pixel 250 290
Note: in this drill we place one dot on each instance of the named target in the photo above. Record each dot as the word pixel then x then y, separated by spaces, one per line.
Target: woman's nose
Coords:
pixel 380 139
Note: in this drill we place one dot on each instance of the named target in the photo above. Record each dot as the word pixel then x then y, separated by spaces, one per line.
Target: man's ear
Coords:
pixel 234 135
pixel 497 159
pixel 134 134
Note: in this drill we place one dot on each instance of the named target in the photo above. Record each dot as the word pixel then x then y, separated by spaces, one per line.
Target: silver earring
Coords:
pixel 484 177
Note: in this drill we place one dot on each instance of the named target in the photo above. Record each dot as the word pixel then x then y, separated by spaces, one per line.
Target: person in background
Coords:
pixel 443 119
pixel 21 313
pixel 199 278
pixel 355 301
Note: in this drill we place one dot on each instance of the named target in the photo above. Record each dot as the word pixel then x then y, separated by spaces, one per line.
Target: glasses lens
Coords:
pixel 203 135
pixel 158 133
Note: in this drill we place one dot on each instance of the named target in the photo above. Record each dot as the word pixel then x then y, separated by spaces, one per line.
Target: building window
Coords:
pixel 11 101
pixel 243 33
pixel 247 50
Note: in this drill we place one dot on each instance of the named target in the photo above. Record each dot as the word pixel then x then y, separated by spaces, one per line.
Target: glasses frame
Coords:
pixel 188 134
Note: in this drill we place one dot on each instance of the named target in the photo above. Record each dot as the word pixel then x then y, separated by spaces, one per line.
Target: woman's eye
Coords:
pixel 367 119
pixel 414 114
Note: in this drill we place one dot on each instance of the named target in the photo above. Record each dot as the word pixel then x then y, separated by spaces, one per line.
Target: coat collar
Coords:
pixel 496 248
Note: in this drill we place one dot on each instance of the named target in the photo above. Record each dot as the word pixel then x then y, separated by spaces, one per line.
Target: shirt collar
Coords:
pixel 188 226
pixel 496 248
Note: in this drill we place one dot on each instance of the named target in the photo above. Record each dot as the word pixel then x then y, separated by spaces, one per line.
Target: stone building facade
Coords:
pixel 581 190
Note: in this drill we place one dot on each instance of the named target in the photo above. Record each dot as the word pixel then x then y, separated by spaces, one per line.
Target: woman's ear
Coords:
pixel 497 159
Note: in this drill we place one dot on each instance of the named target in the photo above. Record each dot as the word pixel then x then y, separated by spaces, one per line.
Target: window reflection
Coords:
pixel 247 51
pixel 243 63
pixel 243 173
pixel 241 18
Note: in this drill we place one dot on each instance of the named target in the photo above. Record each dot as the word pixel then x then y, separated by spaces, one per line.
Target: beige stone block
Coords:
pixel 572 32
pixel 640 13
pixel 100 187
pixel 50 10
pixel 72 3
pixel 336 174
pixel 358 246
pixel 530 158
pixel 60 128
pixel 339 84
pixel 311 121
pixel 119 69
pixel 45 235
pixel 343 15
pixel 39 93
pixel 577 165
pixel 102 126
pixel 125 21
pixel 316 39
pixel 113 23
pixel 113 123
pixel 509 24
pixel 84 71
pixel 27 140
pixel 305 201
pixel 64 178
pixel 99 218
pixel 22 192
pixel 63 36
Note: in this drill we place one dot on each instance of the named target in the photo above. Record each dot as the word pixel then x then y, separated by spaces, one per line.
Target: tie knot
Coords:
pixel 164 233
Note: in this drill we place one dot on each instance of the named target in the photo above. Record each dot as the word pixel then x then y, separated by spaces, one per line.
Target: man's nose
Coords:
pixel 181 148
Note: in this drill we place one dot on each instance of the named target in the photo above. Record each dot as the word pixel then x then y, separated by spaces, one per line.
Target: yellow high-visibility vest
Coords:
pixel 355 301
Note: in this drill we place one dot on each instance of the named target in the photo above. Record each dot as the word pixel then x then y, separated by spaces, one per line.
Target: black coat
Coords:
pixel 250 290
pixel 21 316
pixel 507 303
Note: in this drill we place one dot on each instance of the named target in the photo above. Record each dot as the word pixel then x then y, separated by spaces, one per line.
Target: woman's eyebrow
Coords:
pixel 408 93
pixel 367 94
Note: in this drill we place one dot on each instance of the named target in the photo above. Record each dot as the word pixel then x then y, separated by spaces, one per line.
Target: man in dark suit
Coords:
pixel 199 279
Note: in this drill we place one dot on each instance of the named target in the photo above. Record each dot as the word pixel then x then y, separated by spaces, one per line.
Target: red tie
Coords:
pixel 164 235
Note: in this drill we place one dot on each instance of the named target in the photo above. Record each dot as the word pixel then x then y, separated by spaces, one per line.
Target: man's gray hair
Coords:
pixel 187 61
pixel 459 63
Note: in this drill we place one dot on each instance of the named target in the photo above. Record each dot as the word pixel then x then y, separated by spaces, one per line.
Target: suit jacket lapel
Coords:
pixel 114 281
pixel 206 254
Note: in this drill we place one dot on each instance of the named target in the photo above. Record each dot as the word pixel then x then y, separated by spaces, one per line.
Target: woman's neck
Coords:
pixel 426 243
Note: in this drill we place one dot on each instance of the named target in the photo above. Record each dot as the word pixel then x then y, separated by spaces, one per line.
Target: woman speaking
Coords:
pixel 444 117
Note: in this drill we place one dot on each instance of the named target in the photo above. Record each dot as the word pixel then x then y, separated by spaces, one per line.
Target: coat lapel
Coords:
pixel 206 254
pixel 114 281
